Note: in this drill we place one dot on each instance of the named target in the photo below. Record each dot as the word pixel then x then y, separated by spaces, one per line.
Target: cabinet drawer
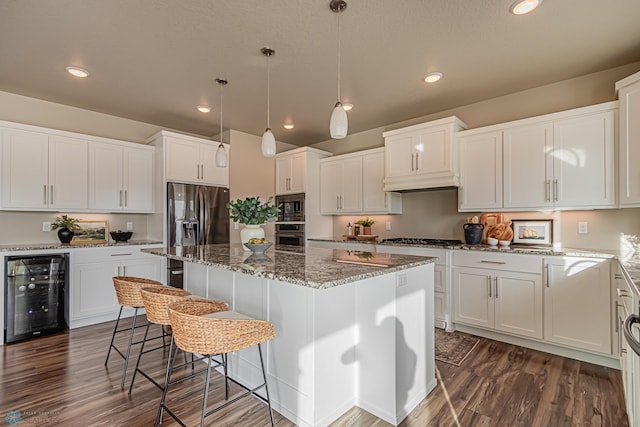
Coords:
pixel 499 261
pixel 113 253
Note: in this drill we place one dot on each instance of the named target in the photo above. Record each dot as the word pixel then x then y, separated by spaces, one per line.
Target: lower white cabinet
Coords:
pixel 92 297
pixel 578 303
pixel 498 295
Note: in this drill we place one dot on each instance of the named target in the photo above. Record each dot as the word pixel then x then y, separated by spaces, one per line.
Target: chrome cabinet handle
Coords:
pixel 618 276
pixel 197 171
pixel 412 156
pixel 493 262
pixel 201 171
pixel 51 195
pixel 338 202
pixel 617 318
pixel 129 254
pixel 547 191
pixel 622 293
pixel 555 190
pixel 547 273
pixel 120 201
pixel 126 199
pixel 44 194
pixel 489 285
pixel 495 279
pixel 417 157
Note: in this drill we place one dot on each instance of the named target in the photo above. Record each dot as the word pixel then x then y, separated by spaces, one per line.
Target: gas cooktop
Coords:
pixel 422 241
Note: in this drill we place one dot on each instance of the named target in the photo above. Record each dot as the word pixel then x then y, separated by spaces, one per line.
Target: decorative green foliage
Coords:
pixel 251 211
pixel 65 222
pixel 366 222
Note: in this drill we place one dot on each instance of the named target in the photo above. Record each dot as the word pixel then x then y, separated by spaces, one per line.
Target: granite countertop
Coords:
pixel 317 268
pixel 514 249
pixel 60 246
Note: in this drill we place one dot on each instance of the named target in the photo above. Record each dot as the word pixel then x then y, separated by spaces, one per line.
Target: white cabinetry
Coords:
pixel 561 160
pixel 121 177
pixel 92 297
pixel 577 303
pixel 192 160
pixel 353 183
pixel 290 172
pixel 629 139
pixel 422 156
pixel 498 291
pixel 43 172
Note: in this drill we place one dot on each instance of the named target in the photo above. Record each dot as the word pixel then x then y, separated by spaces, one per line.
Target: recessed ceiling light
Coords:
pixel 203 108
pixel 288 126
pixel 433 77
pixel 520 7
pixel 77 71
pixel 347 106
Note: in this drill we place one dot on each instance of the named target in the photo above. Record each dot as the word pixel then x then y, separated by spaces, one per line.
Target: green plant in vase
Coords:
pixel 252 212
pixel 366 225
pixel 66 227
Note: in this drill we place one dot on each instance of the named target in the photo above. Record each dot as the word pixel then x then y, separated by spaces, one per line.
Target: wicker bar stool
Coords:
pixel 128 293
pixel 197 330
pixel 156 301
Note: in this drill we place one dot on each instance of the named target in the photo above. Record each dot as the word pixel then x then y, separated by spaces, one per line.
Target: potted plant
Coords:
pixel 366 225
pixel 67 227
pixel 252 213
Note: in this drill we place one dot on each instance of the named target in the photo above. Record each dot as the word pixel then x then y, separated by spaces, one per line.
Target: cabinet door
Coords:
pixel 298 169
pixel 583 161
pixel 399 156
pixel 473 296
pixel 92 293
pixel 351 182
pixel 68 173
pixel 105 169
pixel 25 165
pixel 480 171
pixel 210 173
pixel 629 126
pixel 147 266
pixel 138 180
pixel 433 151
pixel 577 303
pixel 182 160
pixel 330 186
pixel 527 175
pixel 374 198
pixel 283 174
pixel 518 303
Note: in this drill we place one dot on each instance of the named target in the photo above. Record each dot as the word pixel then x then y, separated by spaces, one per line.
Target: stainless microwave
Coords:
pixel 291 207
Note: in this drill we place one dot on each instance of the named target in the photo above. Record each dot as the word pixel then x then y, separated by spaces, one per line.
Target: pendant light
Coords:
pixel 338 125
pixel 268 140
pixel 221 153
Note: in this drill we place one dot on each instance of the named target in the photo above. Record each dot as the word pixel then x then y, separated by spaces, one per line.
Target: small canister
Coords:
pixel 473 233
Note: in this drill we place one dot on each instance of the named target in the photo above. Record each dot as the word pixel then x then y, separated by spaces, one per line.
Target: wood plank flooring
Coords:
pixel 61 380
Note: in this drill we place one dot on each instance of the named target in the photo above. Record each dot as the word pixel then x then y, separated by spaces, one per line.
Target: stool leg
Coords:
pixel 266 387
pixel 135 371
pixel 206 391
pixel 113 336
pixel 126 360
pixel 226 377
pixel 167 378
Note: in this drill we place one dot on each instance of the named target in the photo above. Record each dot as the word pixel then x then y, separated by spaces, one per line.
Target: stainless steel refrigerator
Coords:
pixel 196 215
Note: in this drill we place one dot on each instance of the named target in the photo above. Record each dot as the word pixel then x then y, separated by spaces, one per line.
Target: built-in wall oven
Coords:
pixel 291 234
pixel 291 207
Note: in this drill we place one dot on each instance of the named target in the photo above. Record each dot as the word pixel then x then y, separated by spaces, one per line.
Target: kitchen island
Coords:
pixel 352 328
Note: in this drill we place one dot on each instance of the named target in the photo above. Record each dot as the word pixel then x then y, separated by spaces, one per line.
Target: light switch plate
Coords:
pixel 129 226
pixel 583 227
pixel 388 226
pixel 46 226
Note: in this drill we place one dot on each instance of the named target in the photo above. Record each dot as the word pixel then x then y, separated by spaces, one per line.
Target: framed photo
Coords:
pixel 532 232
pixel 91 232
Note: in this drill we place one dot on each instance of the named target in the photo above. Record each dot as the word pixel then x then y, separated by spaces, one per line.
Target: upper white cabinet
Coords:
pixel 578 303
pixel 193 160
pixel 561 161
pixel 42 171
pixel 121 177
pixel 290 171
pixel 353 183
pixel 294 167
pixel 422 156
pixel 629 134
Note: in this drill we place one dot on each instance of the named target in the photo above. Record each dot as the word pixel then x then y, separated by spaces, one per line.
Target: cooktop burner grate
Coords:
pixel 423 241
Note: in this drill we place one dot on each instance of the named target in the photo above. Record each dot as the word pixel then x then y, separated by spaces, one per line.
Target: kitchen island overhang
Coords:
pixel 352 328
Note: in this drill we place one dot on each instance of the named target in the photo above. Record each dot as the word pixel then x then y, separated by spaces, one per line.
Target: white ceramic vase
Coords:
pixel 249 232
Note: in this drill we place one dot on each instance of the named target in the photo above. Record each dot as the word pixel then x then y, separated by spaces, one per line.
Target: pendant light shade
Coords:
pixel 338 124
pixel 268 140
pixel 221 152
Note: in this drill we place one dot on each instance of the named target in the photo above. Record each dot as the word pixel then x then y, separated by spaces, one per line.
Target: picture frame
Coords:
pixel 532 232
pixel 91 232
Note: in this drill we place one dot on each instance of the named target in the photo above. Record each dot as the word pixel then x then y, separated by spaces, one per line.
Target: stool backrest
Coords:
pixel 198 334
pixel 156 301
pixel 128 289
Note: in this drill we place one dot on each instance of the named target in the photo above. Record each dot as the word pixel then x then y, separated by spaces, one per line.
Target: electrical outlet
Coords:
pixel 388 226
pixel 583 227
pixel 129 226
pixel 236 225
pixel 46 226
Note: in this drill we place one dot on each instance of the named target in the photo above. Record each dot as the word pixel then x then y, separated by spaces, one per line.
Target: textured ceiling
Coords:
pixel 155 60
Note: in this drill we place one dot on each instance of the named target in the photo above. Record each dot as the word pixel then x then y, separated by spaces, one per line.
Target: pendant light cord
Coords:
pixel 221 114
pixel 268 94
pixel 339 56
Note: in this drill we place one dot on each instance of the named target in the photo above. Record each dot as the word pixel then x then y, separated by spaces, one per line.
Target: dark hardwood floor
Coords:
pixel 61 380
